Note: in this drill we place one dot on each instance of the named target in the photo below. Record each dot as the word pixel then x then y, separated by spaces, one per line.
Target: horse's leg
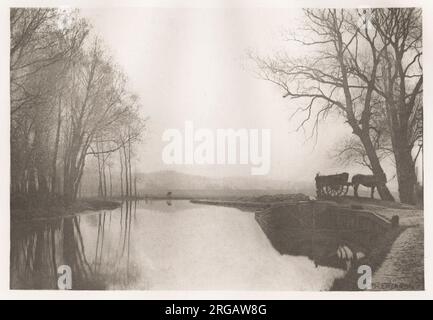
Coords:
pixel 355 190
pixel 372 192
pixel 319 192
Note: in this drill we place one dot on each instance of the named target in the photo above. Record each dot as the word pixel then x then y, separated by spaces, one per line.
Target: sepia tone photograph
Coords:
pixel 216 148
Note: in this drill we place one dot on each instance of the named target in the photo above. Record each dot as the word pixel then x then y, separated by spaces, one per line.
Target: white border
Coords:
pixel 5 293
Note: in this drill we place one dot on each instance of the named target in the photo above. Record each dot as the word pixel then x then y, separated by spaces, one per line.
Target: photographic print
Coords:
pixel 216 148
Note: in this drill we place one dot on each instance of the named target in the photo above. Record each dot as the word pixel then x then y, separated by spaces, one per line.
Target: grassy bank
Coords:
pixel 59 210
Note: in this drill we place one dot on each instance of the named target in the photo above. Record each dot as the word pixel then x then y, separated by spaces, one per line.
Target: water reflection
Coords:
pixel 323 243
pixel 38 248
pixel 152 245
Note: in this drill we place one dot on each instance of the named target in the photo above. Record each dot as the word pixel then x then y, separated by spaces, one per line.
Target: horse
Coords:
pixel 369 181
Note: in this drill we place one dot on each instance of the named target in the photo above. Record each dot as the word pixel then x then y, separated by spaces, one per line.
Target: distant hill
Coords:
pixel 164 181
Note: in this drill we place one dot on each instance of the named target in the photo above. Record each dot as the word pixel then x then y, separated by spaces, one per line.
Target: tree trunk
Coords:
pixel 376 167
pixel 111 183
pixel 73 171
pixel 405 167
pixel 135 185
pixel 68 190
pixel 121 173
pixel 56 150
pixel 126 172
pixel 31 180
pixel 129 163
pixel 99 173
pixel 104 178
pixel 399 109
pixel 42 183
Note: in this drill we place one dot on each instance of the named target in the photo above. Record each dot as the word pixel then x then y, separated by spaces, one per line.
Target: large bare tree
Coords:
pixel 401 86
pixel 323 81
pixel 365 65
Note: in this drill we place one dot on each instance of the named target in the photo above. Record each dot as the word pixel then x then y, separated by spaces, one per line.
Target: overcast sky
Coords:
pixel 190 64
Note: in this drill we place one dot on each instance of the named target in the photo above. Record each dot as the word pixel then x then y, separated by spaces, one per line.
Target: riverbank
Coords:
pixel 397 260
pixel 255 202
pixel 55 211
pixel 397 256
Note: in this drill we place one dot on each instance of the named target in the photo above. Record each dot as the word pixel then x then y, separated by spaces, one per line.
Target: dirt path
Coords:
pixel 403 266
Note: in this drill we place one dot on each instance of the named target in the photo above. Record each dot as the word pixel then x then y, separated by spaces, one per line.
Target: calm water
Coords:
pixel 159 246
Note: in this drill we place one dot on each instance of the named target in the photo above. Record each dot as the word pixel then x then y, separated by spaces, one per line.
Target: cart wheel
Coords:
pixel 345 189
pixel 334 190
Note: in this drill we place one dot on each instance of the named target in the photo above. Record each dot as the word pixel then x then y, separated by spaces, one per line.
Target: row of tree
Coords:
pixel 69 102
pixel 367 67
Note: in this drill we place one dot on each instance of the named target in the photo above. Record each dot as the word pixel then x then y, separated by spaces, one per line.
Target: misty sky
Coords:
pixel 191 64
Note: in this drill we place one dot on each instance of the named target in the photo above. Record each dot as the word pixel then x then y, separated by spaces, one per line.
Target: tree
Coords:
pixel 97 95
pixel 325 80
pixel 40 55
pixel 68 101
pixel 351 149
pixel 398 46
pixel 400 30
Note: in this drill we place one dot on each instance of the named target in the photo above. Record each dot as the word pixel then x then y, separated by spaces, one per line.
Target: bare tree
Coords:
pixel 96 105
pixel 68 101
pixel 325 81
pixel 40 55
pixel 397 44
pixel 401 86
pixel 123 134
pixel 351 149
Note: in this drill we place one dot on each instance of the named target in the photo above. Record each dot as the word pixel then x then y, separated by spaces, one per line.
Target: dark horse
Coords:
pixel 370 181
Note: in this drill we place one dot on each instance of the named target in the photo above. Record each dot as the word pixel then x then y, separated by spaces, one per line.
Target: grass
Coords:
pixel 58 209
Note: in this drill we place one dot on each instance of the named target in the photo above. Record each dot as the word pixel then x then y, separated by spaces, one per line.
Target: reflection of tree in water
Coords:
pixel 39 248
pixel 74 255
pixel 119 264
pixel 37 251
pixel 33 256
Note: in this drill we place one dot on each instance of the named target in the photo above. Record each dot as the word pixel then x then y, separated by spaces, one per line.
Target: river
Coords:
pixel 159 245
